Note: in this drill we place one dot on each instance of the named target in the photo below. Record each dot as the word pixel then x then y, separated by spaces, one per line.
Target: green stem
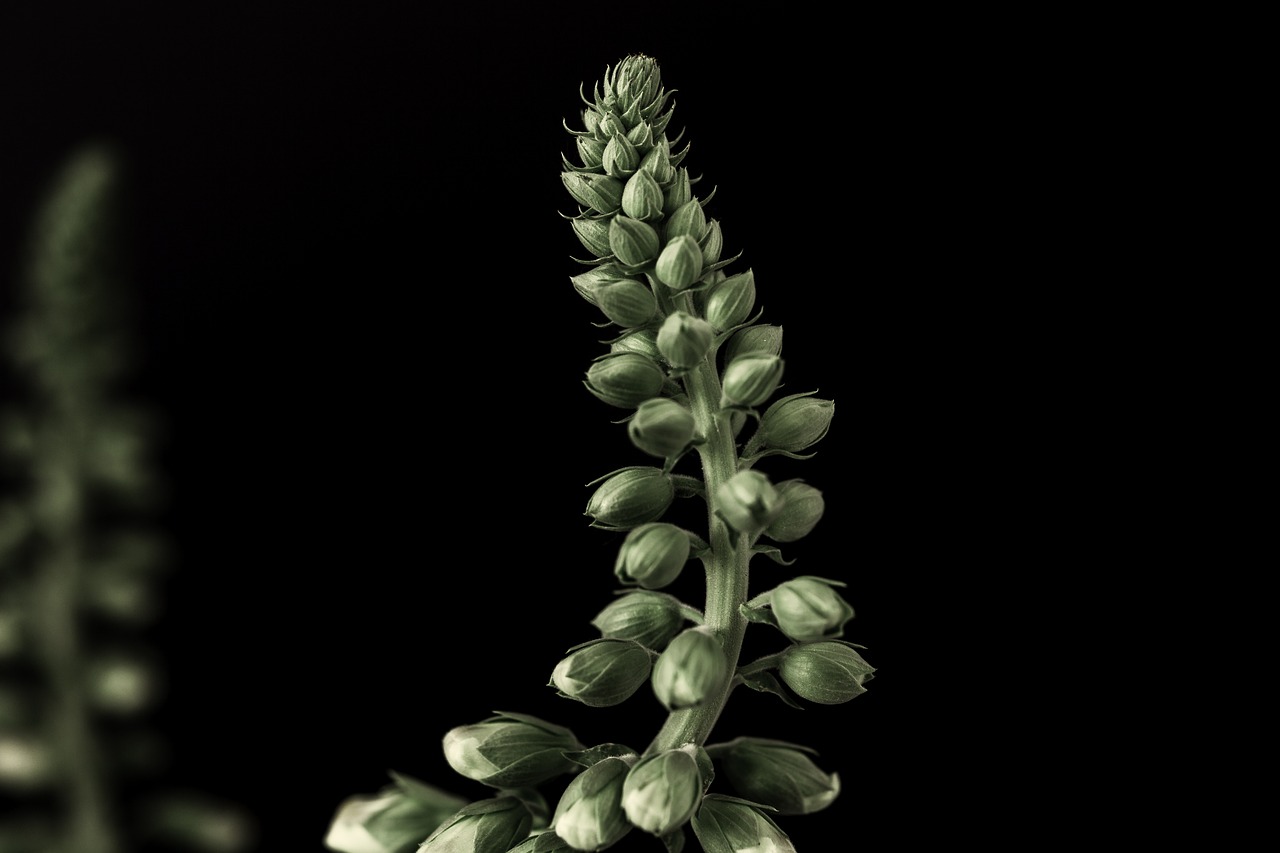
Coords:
pixel 726 565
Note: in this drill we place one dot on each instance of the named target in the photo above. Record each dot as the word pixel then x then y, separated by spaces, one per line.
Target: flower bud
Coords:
pixel 589 815
pixel 642 197
pixel 691 669
pixel 678 193
pixel 627 302
pixel 763 339
pixel 602 672
pixel 625 379
pixel 633 242
pixel 730 302
pixel 748 502
pixel 601 193
pixel 802 508
pixel 684 339
pixel 652 555
pixel 643 341
pixel 634 80
pixel 485 826
pixel 658 163
pixel 661 427
pixel 510 750
pixel 631 497
pixel 393 821
pixel 680 263
pixel 796 422
pixel 778 774
pixel 662 791
pixel 712 242
pixel 809 609
pixel 588 284
pixel 751 379
pixel 828 672
pixel 543 842
pixel 649 618
pixel 640 135
pixel 726 825
pixel 593 234
pixel 620 158
pixel 688 219
pixel 590 150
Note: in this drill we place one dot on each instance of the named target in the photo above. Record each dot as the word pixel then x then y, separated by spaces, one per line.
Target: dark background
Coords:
pixel 358 325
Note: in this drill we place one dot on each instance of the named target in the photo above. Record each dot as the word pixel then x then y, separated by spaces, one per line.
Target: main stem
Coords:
pixel 726 566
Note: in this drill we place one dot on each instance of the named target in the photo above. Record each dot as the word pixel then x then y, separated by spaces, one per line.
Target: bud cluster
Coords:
pixel 691 366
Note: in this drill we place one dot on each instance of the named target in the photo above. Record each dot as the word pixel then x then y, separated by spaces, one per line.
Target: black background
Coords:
pixel 359 328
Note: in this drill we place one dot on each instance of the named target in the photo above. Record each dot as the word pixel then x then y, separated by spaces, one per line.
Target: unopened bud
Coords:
pixel 661 427
pixel 642 197
pixel 728 825
pixel 730 302
pixel 748 502
pixel 680 263
pixel 625 379
pixel 778 774
pixel 593 234
pixel 750 380
pixel 653 555
pixel 662 791
pixel 763 339
pixel 631 497
pixel 589 815
pixel 601 193
pixel 802 509
pixel 684 340
pixel 590 150
pixel 688 219
pixel 658 163
pixel 796 422
pixel 679 192
pixel 828 672
pixel 809 609
pixel 643 341
pixel 633 241
pixel 603 672
pixel 691 670
pixel 712 242
pixel 620 158
pixel 649 618
pixel 485 826
pixel 510 750
pixel 396 819
pixel 627 302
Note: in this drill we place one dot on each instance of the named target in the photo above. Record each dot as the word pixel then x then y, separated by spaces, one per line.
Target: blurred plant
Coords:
pixel 81 553
pixel 691 366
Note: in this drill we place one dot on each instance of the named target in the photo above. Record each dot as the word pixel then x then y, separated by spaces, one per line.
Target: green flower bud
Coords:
pixel 625 379
pixel 688 219
pixel 662 791
pixel 809 609
pixel 620 159
pixel 588 284
pixel 751 379
pixel 680 263
pixel 712 242
pixel 593 234
pixel 658 163
pixel 730 302
pixel 589 815
pixel 763 339
pixel 726 825
pixel 691 669
pixel 611 125
pixel 634 242
pixel 778 774
pixel 643 341
pixel 802 508
pixel 678 193
pixel 649 618
pixel 684 339
pixel 635 80
pixel 828 672
pixel 601 193
pixel 661 427
pixel 748 502
pixel 631 497
pixel 627 302
pixel 796 422
pixel 486 826
pixel 395 820
pixel 641 135
pixel 590 150
pixel 602 672
pixel 642 197
pixel 652 555
pixel 510 750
